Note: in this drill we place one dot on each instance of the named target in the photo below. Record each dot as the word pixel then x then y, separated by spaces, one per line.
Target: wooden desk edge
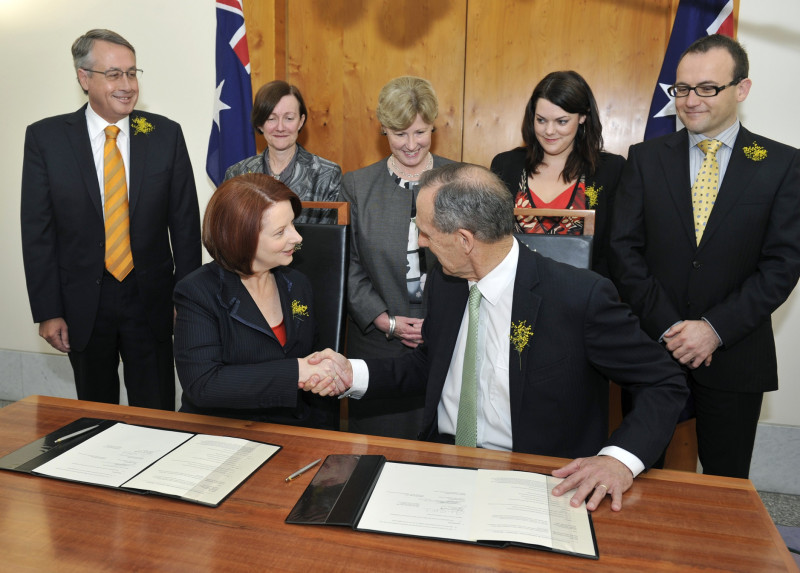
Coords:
pixel 114 410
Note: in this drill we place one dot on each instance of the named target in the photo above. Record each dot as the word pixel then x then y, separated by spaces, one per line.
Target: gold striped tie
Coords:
pixel 119 260
pixel 704 190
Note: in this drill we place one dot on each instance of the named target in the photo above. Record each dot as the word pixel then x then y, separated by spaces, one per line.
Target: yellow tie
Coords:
pixel 704 190
pixel 119 260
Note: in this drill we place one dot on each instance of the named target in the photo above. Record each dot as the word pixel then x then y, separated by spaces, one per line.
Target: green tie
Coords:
pixel 467 425
pixel 704 190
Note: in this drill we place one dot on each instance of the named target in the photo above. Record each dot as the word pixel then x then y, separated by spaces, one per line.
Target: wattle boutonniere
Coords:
pixel 592 193
pixel 520 337
pixel 141 125
pixel 299 311
pixel 755 152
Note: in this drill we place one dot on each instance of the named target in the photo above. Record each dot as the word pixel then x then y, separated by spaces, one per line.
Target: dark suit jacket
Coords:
pixel 509 165
pixel 63 237
pixel 228 359
pixel 745 266
pixel 559 393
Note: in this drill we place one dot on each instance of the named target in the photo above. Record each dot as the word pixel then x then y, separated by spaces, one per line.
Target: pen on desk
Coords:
pixel 74 434
pixel 301 471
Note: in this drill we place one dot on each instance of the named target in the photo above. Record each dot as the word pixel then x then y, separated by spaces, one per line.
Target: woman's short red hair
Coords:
pixel 232 221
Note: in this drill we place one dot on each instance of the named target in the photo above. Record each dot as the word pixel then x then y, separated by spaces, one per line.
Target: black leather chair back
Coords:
pixel 575 250
pixel 323 258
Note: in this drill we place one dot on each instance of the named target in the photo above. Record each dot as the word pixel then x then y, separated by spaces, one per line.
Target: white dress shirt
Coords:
pixel 723 155
pixel 97 137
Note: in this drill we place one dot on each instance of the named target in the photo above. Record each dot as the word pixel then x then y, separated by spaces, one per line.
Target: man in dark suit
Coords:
pixel 707 287
pixel 548 338
pixel 105 192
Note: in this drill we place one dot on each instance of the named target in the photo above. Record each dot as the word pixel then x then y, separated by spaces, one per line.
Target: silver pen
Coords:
pixel 301 471
pixel 74 434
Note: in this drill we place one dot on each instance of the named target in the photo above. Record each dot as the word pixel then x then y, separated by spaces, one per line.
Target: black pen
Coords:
pixel 74 434
pixel 301 471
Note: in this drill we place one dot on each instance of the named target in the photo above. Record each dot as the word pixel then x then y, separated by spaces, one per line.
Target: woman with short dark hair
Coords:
pixel 279 114
pixel 245 321
pixel 563 165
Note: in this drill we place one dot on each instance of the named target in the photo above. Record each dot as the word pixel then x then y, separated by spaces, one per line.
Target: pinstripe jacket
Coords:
pixel 228 359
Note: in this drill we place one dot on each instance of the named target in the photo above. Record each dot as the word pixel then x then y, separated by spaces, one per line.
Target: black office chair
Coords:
pixel 575 250
pixel 323 258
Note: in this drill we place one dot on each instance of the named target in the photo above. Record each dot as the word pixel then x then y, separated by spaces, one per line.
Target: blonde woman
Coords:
pixel 387 268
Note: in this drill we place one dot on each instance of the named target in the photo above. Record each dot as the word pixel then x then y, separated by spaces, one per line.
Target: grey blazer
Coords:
pixel 379 215
pixel 313 178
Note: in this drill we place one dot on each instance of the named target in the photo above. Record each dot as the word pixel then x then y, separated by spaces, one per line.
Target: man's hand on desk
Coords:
pixel 340 377
pixel 597 476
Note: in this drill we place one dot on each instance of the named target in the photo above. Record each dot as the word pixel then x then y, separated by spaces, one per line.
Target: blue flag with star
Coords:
pixel 232 138
pixel 694 19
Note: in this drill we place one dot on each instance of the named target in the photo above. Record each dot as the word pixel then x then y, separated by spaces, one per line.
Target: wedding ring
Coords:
pixel 603 486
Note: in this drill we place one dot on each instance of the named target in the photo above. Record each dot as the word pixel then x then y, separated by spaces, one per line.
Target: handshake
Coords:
pixel 326 373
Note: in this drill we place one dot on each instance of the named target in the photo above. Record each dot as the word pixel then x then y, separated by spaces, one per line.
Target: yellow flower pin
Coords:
pixel 141 125
pixel 755 152
pixel 520 337
pixel 299 310
pixel 592 193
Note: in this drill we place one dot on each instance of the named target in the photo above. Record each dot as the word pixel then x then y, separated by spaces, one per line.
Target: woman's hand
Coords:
pixel 324 373
pixel 408 330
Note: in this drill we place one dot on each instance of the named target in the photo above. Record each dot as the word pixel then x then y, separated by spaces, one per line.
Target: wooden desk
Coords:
pixel 671 521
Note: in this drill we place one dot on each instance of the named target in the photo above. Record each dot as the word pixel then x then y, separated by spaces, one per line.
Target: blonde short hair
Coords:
pixel 403 98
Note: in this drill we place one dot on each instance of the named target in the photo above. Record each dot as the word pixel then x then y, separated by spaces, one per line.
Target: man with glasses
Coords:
pixel 706 245
pixel 109 222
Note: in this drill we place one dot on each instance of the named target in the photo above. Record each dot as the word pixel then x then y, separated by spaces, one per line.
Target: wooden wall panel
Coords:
pixel 261 40
pixel 266 40
pixel 341 52
pixel 617 45
pixel 483 57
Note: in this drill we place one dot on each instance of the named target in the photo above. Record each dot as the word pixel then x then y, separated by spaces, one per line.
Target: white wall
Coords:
pixel 770 31
pixel 175 46
pixel 174 43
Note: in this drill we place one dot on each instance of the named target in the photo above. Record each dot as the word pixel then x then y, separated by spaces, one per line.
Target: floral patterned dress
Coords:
pixel 573 197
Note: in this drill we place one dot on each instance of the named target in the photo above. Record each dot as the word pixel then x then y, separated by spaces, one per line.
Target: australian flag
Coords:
pixel 694 19
pixel 232 137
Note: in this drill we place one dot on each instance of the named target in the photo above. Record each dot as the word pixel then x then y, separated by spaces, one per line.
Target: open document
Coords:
pixel 199 468
pixel 477 506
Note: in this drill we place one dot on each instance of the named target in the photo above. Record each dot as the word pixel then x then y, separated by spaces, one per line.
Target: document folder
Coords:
pixel 485 507
pixel 198 468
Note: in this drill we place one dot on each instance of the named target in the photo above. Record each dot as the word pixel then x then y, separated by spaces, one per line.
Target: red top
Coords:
pixel 573 197
pixel 280 332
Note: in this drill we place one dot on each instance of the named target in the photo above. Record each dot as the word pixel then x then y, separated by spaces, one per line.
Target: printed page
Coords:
pixel 204 469
pixel 570 526
pixel 512 506
pixel 424 501
pixel 113 456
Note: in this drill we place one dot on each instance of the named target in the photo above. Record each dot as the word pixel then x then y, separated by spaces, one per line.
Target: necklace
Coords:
pixel 398 171
pixel 275 173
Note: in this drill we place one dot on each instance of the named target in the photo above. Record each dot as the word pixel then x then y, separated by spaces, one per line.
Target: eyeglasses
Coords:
pixel 682 90
pixel 114 74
